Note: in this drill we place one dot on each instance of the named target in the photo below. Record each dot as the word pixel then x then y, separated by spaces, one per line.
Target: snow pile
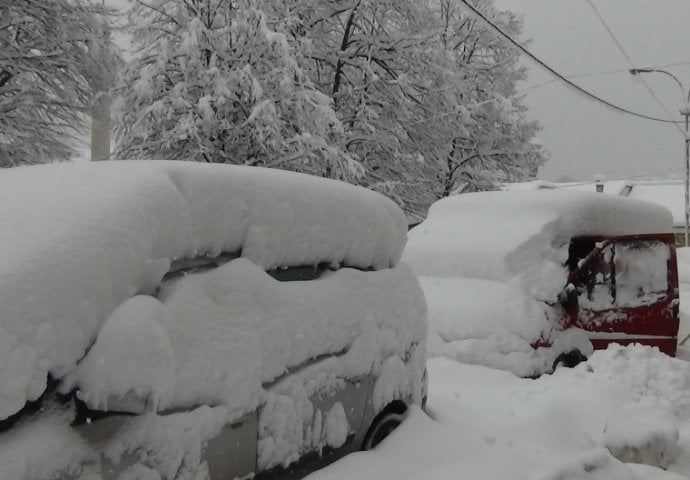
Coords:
pixel 132 337
pixel 624 404
pixel 492 324
pixel 79 239
pixel 651 378
pixel 638 436
pixel 39 450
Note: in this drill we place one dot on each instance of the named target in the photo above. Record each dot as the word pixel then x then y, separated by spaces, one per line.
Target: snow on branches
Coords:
pixel 53 56
pixel 212 81
pixel 415 99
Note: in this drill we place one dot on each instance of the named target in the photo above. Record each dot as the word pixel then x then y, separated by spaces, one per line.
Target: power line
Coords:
pixel 576 75
pixel 631 63
pixel 675 64
pixel 570 83
pixel 596 74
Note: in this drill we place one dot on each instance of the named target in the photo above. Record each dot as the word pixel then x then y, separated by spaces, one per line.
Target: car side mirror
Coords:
pixel 568 298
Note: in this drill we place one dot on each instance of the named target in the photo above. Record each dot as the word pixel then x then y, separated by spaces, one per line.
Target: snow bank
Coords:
pixel 79 239
pixel 636 435
pixel 502 235
pixel 487 424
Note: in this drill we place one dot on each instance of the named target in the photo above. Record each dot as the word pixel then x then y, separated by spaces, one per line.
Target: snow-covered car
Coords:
pixel 527 280
pixel 177 320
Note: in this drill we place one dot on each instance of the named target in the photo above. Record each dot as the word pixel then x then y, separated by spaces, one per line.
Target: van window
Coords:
pixel 641 271
pixel 624 273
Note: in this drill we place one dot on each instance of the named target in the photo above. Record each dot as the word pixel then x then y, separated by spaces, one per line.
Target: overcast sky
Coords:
pixel 584 138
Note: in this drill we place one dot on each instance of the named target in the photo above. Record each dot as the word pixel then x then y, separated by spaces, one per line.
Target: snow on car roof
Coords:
pixel 524 233
pixel 79 239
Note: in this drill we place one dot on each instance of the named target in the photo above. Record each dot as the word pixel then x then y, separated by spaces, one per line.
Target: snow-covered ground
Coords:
pixel 623 414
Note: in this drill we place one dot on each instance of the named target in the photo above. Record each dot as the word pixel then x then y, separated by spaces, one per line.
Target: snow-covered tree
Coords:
pixel 212 81
pixel 51 53
pixel 369 56
pixel 493 142
pixel 426 94
pixel 415 99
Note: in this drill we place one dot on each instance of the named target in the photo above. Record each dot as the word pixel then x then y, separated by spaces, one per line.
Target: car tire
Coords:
pixel 383 425
pixel 569 359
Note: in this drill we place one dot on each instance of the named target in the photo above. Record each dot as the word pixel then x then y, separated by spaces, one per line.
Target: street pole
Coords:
pixel 685 112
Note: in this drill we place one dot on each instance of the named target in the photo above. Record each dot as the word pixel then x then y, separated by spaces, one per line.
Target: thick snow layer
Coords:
pixel 228 331
pixel 484 322
pixel 80 239
pixel 669 194
pixel 494 324
pixel 501 235
pixel 487 424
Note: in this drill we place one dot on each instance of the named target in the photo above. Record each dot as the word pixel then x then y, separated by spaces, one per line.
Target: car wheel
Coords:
pixel 569 359
pixel 384 424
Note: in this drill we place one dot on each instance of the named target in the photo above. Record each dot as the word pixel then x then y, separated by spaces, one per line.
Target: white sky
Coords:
pixel 582 137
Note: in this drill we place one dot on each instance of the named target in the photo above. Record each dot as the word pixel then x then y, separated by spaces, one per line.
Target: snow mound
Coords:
pixel 131 338
pixel 80 239
pixel 638 435
pixel 484 322
pixel 494 324
pixel 653 378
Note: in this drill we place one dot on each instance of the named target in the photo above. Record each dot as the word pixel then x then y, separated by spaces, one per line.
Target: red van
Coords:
pixel 623 289
pixel 527 280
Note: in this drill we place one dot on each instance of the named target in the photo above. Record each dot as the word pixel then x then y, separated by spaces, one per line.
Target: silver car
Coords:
pixel 200 321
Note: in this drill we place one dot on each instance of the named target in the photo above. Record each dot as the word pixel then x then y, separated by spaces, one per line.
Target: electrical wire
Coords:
pixel 596 74
pixel 577 88
pixel 631 63
pixel 576 75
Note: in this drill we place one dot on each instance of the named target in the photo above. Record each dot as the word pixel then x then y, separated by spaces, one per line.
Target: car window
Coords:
pixel 295 274
pixel 186 266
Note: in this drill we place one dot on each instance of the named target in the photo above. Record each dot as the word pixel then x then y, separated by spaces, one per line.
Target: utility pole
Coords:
pixel 685 112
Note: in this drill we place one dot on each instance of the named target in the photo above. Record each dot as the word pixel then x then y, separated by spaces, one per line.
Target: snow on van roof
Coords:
pixel 80 239
pixel 503 235
pixel 669 193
